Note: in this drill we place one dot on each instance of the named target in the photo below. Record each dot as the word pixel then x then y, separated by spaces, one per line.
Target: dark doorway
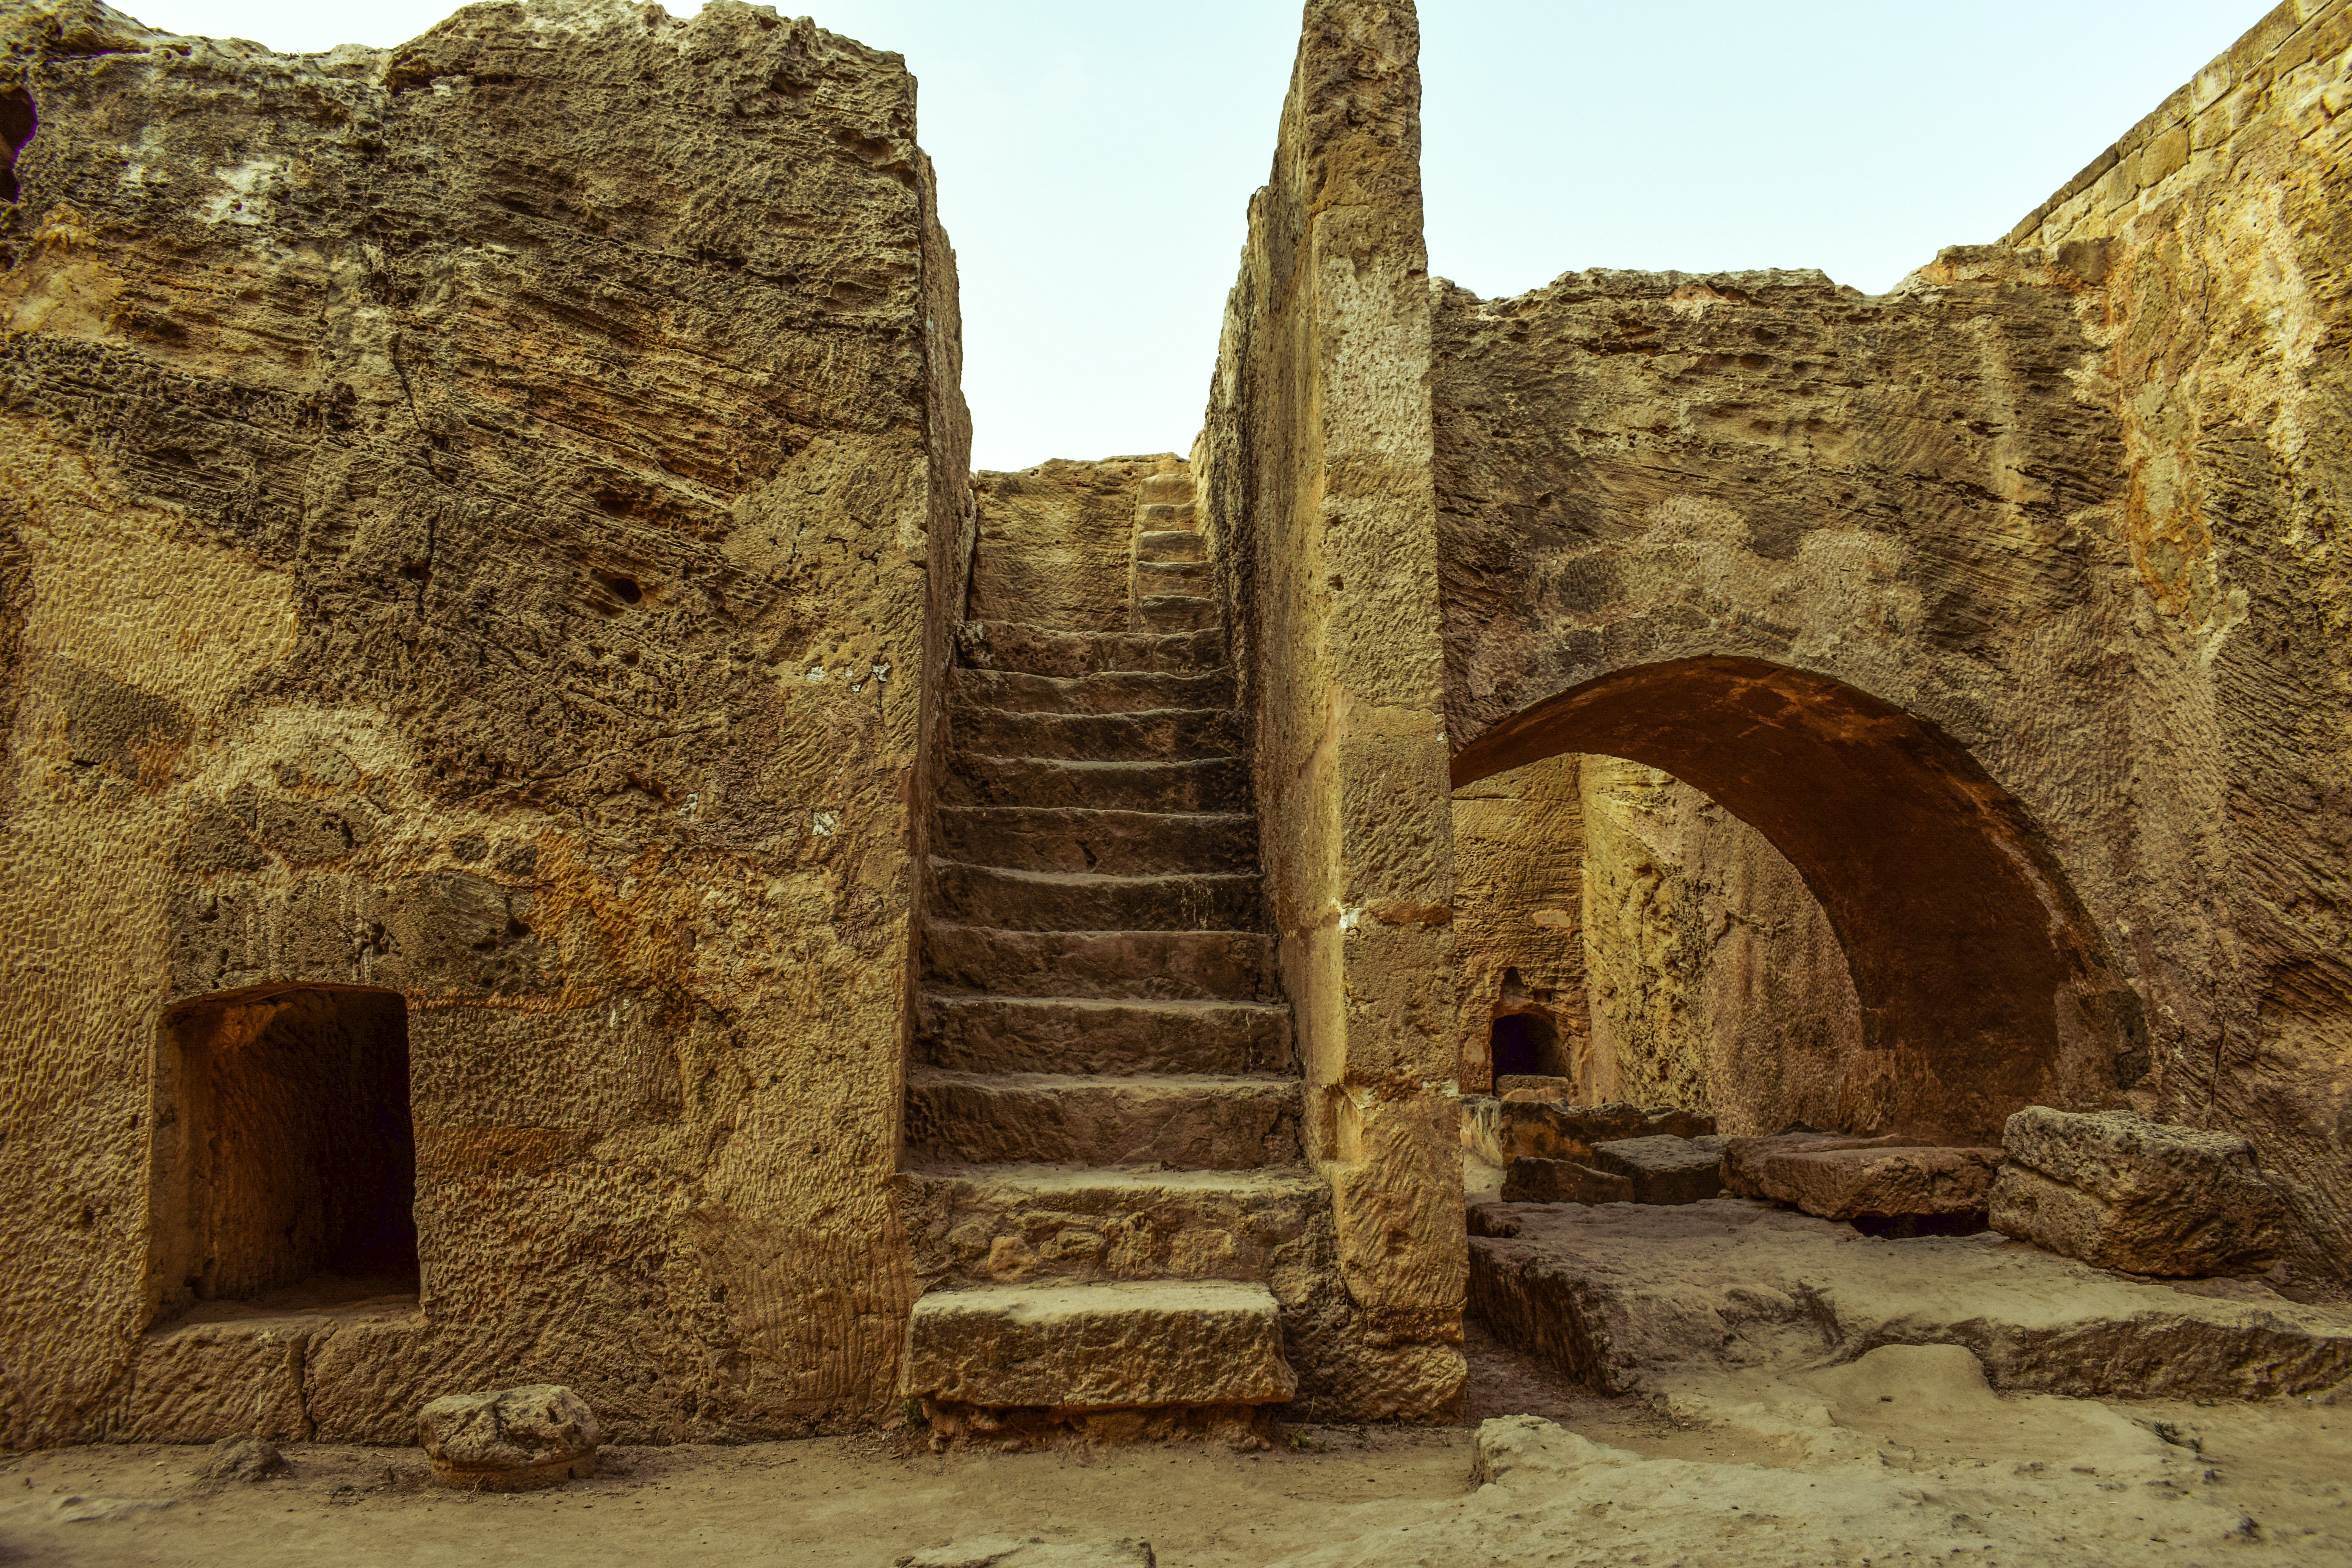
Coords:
pixel 1522 1044
pixel 286 1157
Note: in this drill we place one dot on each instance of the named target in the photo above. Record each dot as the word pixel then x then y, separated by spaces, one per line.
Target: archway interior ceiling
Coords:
pixel 1966 948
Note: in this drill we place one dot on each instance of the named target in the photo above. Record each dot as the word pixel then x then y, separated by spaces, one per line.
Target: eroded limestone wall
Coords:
pixel 2064 509
pixel 465 532
pixel 1716 979
pixel 1518 938
pixel 1314 469
pixel 2222 227
pixel 1696 481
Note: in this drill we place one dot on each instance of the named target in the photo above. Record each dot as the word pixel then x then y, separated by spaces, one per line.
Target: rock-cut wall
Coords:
pixel 2008 605
pixel 2224 230
pixel 1314 473
pixel 465 532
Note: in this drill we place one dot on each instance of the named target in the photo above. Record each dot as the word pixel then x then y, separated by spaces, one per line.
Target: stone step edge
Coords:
pixel 957 1340
pixel 1270 1181
pixel 964 705
pixel 960 756
pixel 1210 673
pixel 1064 1082
pixel 1178 1005
pixel 1153 932
pixel 1096 811
pixel 964 629
pixel 1089 879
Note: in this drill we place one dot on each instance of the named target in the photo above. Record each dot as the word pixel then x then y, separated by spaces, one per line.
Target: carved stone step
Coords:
pixel 988 1224
pixel 1124 693
pixel 1076 1035
pixel 1180 1122
pixel 1169 735
pixel 1174 613
pixel 1080 900
pixel 1037 650
pixel 1170 545
pixel 1113 843
pixel 1153 578
pixel 1210 784
pixel 1166 490
pixel 1228 965
pixel 1098 1347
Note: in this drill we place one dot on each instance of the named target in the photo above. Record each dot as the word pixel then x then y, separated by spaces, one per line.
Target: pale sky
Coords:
pixel 1096 157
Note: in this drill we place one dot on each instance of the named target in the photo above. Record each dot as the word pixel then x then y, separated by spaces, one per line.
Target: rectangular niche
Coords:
pixel 285 1172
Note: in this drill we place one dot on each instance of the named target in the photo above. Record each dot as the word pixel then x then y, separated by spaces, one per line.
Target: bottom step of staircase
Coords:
pixel 1098 1347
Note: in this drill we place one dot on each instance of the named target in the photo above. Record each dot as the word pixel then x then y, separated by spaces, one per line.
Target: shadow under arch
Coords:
pixel 1976 967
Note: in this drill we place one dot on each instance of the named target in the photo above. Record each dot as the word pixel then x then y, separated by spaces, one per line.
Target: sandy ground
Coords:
pixel 863 1503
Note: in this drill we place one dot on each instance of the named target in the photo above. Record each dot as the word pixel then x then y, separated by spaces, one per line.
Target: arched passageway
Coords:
pixel 1977 972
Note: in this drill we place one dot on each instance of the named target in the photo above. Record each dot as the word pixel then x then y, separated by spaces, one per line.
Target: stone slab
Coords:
pixel 2119 1192
pixel 1098 1347
pixel 1849 1183
pixel 1551 1130
pixel 1529 1179
pixel 1623 1297
pixel 1744 1158
pixel 1663 1169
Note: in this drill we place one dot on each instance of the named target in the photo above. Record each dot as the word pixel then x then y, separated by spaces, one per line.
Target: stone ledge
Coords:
pixel 1622 1296
pixel 1102 1347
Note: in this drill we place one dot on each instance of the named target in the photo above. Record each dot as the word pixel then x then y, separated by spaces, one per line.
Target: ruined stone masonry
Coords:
pixel 552 832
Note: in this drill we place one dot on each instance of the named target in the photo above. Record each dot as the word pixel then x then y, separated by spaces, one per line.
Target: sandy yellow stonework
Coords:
pixel 553 832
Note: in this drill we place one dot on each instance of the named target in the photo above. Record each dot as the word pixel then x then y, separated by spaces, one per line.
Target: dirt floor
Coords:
pixel 2287 1468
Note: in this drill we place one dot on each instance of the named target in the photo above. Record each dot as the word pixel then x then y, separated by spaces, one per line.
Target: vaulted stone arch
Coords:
pixel 1979 973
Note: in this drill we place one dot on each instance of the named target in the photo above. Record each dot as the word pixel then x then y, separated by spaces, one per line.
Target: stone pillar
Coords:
pixel 1317 480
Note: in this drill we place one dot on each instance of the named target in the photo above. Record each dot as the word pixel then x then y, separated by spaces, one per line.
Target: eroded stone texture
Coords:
pixel 467 519
pixel 2219 227
pixel 1658 1169
pixel 1629 1296
pixel 511 1440
pixel 1057 543
pixel 1848 1184
pixel 1716 979
pixel 1555 1129
pixel 1616 525
pixel 1993 603
pixel 1099 1347
pixel 1314 476
pixel 2129 1194
pixel 1518 945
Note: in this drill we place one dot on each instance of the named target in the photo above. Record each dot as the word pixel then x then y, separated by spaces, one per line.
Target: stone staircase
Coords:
pixel 1105 1194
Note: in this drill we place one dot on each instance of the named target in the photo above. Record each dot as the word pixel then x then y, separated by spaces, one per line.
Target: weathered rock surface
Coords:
pixel 1845 1178
pixel 1532 1179
pixel 1550 1129
pixel 1544 1494
pixel 998 1552
pixel 510 1440
pixel 1626 1296
pixel 470 515
pixel 1714 979
pixel 2123 1192
pixel 1665 1169
pixel 1057 543
pixel 1098 1347
pixel 1315 500
pixel 1660 1169
pixel 1744 1158
pixel 2042 706
pixel 244 1459
pixel 1518 946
